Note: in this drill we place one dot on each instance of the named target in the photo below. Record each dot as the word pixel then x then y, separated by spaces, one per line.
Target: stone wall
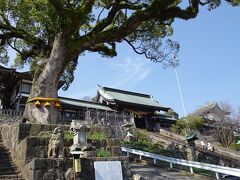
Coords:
pixel 87 167
pixel 47 169
pixel 27 150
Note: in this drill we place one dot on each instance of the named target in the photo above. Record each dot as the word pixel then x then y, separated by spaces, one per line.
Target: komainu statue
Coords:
pixel 56 143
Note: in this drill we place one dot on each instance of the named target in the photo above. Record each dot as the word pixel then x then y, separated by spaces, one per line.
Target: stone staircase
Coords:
pixel 7 168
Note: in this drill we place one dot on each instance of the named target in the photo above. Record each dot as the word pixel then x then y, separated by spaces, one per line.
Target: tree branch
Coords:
pixel 134 21
pixel 105 50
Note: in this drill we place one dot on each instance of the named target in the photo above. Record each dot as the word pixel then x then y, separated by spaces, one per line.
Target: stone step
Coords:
pixel 8 171
pixel 4 150
pixel 3 154
pixel 5 173
pixel 14 176
pixel 11 178
pixel 5 158
pixel 7 167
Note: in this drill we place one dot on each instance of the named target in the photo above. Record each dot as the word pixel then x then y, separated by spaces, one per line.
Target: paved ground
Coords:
pixel 155 173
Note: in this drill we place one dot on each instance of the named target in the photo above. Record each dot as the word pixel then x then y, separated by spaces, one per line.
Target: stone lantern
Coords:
pixel 80 147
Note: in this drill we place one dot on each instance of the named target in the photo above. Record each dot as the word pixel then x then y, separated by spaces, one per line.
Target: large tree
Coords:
pixel 52 34
pixel 225 125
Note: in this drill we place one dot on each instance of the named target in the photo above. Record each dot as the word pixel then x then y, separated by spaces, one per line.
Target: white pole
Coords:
pixel 180 92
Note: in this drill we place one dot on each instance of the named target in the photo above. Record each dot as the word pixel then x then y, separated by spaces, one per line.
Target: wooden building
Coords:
pixel 118 104
pixel 14 88
pixel 148 113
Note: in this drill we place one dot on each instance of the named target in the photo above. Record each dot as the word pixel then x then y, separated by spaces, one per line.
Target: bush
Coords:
pixel 96 136
pixel 235 147
pixel 68 135
pixel 48 134
pixel 144 143
pixel 102 153
pixel 45 134
pixel 190 123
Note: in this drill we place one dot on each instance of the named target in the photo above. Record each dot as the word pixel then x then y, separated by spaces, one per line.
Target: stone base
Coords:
pixel 87 166
pixel 47 169
pixel 86 154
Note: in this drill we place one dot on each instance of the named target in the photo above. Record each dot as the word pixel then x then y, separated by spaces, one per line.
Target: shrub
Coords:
pixel 96 136
pixel 68 135
pixel 190 123
pixel 48 134
pixel 144 143
pixel 45 134
pixel 235 147
pixel 102 153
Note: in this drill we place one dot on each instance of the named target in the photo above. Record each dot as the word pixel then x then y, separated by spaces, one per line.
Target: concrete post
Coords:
pixel 191 169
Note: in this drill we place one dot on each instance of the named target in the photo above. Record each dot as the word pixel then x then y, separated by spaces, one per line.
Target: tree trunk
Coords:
pixel 45 84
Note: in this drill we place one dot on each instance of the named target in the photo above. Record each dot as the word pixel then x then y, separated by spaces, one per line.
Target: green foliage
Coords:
pixel 31 27
pixel 235 147
pixel 188 124
pixel 45 134
pixel 145 144
pixel 203 171
pixel 68 135
pixel 102 153
pixel 96 136
pixel 48 134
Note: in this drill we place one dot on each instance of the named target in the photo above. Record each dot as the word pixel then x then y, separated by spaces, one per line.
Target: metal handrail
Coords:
pixel 211 167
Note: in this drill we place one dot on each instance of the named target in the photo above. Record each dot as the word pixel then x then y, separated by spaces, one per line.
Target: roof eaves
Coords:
pixel 143 105
pixel 125 92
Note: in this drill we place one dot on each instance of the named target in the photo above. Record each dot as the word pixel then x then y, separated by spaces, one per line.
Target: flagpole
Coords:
pixel 180 92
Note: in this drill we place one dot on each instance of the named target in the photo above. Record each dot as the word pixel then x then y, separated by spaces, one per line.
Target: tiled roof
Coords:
pixel 208 108
pixel 81 103
pixel 120 96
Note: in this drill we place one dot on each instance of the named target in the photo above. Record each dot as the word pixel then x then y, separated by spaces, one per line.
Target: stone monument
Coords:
pixel 56 143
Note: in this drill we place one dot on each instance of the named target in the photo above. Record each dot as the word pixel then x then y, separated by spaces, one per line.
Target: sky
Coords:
pixel 209 67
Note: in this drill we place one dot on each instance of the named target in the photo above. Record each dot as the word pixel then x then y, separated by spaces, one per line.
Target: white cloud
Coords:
pixel 133 70
pixel 79 94
pixel 121 74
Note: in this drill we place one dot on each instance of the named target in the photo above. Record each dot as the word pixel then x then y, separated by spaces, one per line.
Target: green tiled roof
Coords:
pixel 191 137
pixel 120 96
pixel 86 104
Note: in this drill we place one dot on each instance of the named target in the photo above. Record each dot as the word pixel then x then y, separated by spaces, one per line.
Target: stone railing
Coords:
pixel 10 112
pixel 9 116
pixel 217 149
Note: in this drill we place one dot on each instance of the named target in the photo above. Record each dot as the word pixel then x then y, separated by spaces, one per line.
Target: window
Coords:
pixel 67 114
pixel 26 88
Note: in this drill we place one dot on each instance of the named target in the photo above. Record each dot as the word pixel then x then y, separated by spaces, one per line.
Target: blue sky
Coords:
pixel 209 65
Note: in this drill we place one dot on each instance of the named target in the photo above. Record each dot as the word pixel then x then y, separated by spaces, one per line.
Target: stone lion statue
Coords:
pixel 56 143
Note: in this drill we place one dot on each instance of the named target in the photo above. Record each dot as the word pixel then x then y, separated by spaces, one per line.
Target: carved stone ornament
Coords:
pixel 56 143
